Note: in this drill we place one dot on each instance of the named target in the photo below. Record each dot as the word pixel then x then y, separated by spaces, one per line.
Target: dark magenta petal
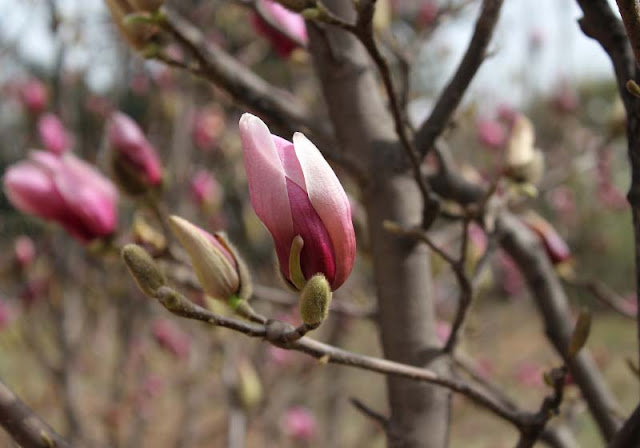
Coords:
pixel 317 254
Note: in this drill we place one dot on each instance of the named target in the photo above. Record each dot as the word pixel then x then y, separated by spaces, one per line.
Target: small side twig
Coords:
pixel 370 413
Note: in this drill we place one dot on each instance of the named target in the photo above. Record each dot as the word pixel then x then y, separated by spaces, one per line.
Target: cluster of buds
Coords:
pixel 300 200
pixel 64 190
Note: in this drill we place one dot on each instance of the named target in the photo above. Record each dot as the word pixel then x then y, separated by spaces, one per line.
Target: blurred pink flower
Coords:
pixel 171 338
pixel 52 134
pixel 295 192
pixel 443 330
pixel 285 29
pixel 507 114
pixel 529 374
pixel 65 190
pixel 478 238
pixel 279 356
pixel 536 39
pixel 512 281
pixel 6 314
pixel 205 189
pixel 34 96
pixel 565 100
pixel 562 201
pixel 427 13
pixel 491 134
pixel 24 250
pixel 208 126
pixel 300 424
pixel 133 151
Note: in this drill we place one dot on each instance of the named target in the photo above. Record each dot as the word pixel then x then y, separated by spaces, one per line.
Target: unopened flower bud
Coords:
pixel 134 161
pixel 143 269
pixel 524 163
pixel 315 299
pixel 139 35
pixel 219 269
pixel 249 387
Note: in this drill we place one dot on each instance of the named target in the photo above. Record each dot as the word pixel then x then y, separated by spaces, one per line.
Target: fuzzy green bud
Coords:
pixel 315 299
pixel 143 269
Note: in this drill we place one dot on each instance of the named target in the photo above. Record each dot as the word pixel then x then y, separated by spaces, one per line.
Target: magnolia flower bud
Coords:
pixel 285 30
pixel 143 269
pixel 219 269
pixel 315 299
pixel 524 163
pixel 300 200
pixel 134 161
pixel 139 35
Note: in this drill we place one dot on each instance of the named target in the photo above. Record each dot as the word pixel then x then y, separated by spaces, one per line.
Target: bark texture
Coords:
pixel 365 130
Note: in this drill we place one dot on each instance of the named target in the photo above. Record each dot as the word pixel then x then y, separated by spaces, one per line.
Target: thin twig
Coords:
pixel 370 413
pixel 452 94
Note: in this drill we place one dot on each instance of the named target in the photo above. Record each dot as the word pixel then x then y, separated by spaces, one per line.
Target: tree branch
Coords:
pixel 24 426
pixel 452 94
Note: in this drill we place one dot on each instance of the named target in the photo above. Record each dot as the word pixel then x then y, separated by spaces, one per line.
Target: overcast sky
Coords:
pixel 564 52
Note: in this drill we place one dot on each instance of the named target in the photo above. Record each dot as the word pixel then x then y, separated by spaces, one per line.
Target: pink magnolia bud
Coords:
pixel 205 189
pixel 491 134
pixel 135 162
pixel 295 193
pixel 300 424
pixel 53 135
pixel 208 125
pixel 64 190
pixel 285 29
pixel 554 245
pixel 34 96
pixel 171 338
pixel 25 251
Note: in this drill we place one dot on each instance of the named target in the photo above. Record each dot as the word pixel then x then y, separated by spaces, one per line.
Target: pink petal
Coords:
pixel 330 202
pixel 266 178
pixel 317 253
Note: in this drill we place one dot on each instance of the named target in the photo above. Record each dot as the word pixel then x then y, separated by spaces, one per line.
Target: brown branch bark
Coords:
pixel 552 303
pixel 23 425
pixel 452 94
pixel 365 129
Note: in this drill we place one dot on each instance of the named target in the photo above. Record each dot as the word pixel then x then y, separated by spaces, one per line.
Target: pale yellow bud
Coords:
pixel 143 269
pixel 315 299
pixel 214 264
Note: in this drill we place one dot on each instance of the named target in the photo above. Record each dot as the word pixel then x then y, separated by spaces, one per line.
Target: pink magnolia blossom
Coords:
pixel 133 150
pixel 208 125
pixel 52 134
pixel 491 134
pixel 294 192
pixel 285 29
pixel 65 190
pixel 205 189
pixel 34 96
pixel 24 250
pixel 507 114
pixel 171 338
pixel 300 424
